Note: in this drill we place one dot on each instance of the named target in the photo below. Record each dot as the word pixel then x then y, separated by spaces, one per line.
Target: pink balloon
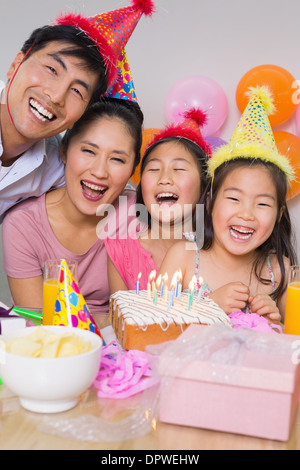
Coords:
pixel 200 92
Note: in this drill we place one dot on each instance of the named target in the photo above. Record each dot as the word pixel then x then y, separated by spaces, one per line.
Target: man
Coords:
pixel 60 70
pixel 47 91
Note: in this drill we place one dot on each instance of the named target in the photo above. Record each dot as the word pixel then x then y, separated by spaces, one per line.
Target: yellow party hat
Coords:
pixel 253 137
pixel 70 306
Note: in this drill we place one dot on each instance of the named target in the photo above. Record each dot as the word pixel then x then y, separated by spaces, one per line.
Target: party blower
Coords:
pixel 70 306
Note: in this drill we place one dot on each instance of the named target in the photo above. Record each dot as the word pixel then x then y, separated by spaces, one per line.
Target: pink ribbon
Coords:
pixel 253 321
pixel 123 373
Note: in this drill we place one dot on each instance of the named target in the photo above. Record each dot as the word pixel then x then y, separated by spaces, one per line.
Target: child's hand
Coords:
pixel 231 297
pixel 263 305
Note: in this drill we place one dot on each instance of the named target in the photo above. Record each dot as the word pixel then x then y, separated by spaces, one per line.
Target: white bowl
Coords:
pixel 50 385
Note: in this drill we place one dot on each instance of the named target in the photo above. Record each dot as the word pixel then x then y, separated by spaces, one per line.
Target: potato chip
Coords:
pixel 50 350
pixel 24 347
pixel 68 349
pixel 45 344
pixel 39 334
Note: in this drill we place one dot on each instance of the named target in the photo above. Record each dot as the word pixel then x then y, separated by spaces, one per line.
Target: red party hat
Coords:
pixel 188 129
pixel 110 31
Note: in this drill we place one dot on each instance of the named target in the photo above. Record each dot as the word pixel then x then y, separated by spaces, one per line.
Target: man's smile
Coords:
pixel 40 112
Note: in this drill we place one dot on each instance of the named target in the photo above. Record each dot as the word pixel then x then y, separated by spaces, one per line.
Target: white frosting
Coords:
pixel 140 310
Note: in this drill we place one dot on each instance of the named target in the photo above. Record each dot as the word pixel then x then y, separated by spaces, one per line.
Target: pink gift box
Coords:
pixel 235 381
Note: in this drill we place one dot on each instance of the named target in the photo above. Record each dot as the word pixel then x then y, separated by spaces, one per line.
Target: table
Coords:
pixel 21 430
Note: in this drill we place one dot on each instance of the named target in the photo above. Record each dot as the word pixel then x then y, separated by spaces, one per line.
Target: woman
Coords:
pixel 100 154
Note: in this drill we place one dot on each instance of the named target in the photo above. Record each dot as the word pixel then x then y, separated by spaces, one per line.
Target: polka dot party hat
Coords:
pixel 70 306
pixel 110 32
pixel 123 88
pixel 253 137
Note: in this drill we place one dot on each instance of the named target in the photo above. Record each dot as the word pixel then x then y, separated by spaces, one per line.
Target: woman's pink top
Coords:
pixel 28 240
pixel 130 259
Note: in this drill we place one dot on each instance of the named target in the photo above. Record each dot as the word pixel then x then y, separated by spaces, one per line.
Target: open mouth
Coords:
pixel 92 191
pixel 241 233
pixel 166 198
pixel 40 112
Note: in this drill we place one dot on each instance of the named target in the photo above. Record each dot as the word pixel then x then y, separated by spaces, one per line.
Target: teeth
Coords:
pixel 39 111
pixel 94 187
pixel 243 231
pixel 166 195
pixel 241 237
pixel 37 114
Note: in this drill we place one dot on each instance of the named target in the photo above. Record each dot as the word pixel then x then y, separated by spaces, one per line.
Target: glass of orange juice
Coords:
pixel 292 311
pixel 50 286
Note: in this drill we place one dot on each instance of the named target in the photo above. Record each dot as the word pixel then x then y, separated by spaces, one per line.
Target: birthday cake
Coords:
pixel 138 321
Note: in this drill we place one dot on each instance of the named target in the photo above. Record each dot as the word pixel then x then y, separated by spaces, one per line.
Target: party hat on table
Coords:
pixel 110 32
pixel 253 137
pixel 188 129
pixel 70 307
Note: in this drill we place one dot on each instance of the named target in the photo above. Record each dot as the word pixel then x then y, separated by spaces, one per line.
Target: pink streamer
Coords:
pixel 123 373
pixel 253 321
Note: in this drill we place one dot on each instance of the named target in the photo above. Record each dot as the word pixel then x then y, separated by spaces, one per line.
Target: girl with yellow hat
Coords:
pixel 248 237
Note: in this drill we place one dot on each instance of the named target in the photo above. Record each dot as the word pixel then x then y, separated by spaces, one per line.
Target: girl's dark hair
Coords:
pixel 128 111
pixel 199 156
pixel 280 242
pixel 77 44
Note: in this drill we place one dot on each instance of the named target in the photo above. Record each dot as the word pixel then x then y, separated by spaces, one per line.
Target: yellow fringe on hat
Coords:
pixel 264 96
pixel 253 138
pixel 227 153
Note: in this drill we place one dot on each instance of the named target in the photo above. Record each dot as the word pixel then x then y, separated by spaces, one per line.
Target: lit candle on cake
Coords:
pixel 153 282
pixel 166 290
pixel 157 288
pixel 192 291
pixel 138 284
pixel 149 283
pixel 180 284
pixel 175 283
pixel 173 294
pixel 171 298
pixel 163 286
pixel 200 293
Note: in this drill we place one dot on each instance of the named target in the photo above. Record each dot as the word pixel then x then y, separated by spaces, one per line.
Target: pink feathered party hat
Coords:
pixel 188 129
pixel 110 32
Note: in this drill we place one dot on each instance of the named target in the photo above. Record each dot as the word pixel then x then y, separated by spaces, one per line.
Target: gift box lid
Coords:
pixel 244 358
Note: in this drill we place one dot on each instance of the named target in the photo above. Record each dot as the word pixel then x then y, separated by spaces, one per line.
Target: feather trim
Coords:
pixel 147 7
pixel 107 53
pixel 227 153
pixel 264 96
pixel 182 133
pixel 196 115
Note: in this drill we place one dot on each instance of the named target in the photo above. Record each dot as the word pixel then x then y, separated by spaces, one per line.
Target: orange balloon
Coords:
pixel 281 84
pixel 148 135
pixel 289 144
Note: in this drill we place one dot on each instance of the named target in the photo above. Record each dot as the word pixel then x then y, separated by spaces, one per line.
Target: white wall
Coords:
pixel 218 39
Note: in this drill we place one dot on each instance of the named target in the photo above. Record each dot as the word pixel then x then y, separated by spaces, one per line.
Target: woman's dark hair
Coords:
pixel 128 111
pixel 199 156
pixel 76 44
pixel 280 242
